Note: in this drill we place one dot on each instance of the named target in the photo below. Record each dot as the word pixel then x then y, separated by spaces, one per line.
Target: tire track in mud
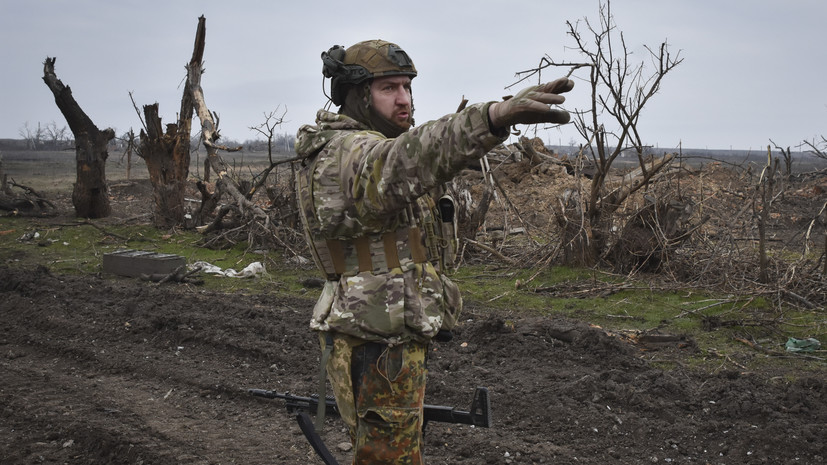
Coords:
pixel 101 371
pixel 86 388
pixel 130 418
pixel 50 409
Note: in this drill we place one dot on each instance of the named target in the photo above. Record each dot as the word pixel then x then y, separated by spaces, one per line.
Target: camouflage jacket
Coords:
pixel 356 182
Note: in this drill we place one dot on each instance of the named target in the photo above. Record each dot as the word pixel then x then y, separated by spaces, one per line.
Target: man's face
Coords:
pixel 391 97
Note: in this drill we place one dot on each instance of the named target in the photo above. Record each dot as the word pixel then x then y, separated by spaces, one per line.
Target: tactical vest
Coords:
pixel 427 233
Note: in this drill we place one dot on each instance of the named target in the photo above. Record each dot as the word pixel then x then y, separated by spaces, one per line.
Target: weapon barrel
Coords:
pixel 296 404
pixel 265 393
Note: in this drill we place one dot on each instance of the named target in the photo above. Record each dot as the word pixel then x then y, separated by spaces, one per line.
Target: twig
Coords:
pixel 108 233
pixel 755 346
pixel 801 299
pixel 513 207
pixel 726 357
pixel 690 312
pixel 491 250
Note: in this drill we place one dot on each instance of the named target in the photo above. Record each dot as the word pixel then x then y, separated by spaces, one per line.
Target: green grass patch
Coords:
pixel 741 332
pixel 78 247
pixel 730 332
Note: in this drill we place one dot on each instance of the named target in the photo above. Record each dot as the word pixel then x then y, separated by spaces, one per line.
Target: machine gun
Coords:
pixel 478 415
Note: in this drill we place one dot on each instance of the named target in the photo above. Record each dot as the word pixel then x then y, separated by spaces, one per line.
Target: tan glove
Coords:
pixel 531 106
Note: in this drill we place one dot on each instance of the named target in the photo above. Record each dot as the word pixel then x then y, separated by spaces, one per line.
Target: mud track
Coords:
pixel 103 371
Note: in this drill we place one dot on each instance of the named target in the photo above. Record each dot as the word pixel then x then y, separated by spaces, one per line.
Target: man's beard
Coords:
pixel 358 106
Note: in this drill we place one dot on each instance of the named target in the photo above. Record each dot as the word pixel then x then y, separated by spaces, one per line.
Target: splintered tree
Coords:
pixel 167 157
pixel 90 195
pixel 620 89
pixel 258 226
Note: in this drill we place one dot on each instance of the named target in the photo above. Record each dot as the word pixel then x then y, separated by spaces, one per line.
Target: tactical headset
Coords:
pixel 364 60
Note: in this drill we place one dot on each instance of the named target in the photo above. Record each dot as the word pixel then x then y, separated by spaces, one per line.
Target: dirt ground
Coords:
pixel 103 370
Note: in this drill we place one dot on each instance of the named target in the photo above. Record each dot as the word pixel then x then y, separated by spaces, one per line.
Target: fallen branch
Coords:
pixel 755 346
pixel 104 231
pixel 726 357
pixel 491 250
pixel 598 291
pixel 801 299
pixel 716 304
pixel 32 203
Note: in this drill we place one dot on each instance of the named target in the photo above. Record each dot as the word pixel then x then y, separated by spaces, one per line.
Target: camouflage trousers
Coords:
pixel 380 392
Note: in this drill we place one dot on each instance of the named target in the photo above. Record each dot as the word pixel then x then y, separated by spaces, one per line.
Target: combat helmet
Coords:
pixel 362 61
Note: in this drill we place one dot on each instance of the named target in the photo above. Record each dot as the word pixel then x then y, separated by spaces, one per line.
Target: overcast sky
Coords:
pixel 752 71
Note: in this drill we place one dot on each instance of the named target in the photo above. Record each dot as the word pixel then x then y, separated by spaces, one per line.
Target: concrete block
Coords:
pixel 133 263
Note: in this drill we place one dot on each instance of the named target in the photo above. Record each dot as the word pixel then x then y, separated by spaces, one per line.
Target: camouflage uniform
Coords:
pixel 358 185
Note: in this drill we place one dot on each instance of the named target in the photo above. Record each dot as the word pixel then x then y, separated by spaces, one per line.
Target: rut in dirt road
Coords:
pixel 101 371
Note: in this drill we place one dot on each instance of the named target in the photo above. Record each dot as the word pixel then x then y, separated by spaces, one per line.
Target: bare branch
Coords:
pixel 818 149
pixel 135 106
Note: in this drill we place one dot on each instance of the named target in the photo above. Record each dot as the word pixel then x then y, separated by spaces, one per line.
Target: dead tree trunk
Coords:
pixel 577 234
pixel 4 184
pixel 788 160
pixel 90 195
pixel 167 157
pixel 765 190
pixel 129 138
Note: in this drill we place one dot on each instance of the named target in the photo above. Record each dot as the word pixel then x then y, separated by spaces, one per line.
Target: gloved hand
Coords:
pixel 531 105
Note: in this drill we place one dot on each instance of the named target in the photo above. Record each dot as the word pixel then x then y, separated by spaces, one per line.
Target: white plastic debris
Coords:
pixel 31 235
pixel 252 270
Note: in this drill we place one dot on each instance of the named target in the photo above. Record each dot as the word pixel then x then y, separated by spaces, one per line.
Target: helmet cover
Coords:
pixel 362 61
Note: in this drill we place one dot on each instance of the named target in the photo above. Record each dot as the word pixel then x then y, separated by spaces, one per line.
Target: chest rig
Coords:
pixel 426 233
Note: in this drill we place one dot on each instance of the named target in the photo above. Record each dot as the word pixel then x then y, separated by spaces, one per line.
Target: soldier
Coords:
pixel 382 232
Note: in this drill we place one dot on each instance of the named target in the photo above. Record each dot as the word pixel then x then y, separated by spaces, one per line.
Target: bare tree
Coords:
pixel 130 143
pixel 58 136
pixel 272 121
pixel 32 136
pixel 620 89
pixel 788 159
pixel 90 195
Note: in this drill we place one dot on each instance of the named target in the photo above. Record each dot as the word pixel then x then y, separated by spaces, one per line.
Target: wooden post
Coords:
pixel 765 187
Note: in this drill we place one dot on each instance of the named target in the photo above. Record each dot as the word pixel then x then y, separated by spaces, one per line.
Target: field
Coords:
pixel 53 171
pixel 99 369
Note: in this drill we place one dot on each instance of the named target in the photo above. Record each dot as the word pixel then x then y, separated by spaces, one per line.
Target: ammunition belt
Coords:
pixel 377 253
